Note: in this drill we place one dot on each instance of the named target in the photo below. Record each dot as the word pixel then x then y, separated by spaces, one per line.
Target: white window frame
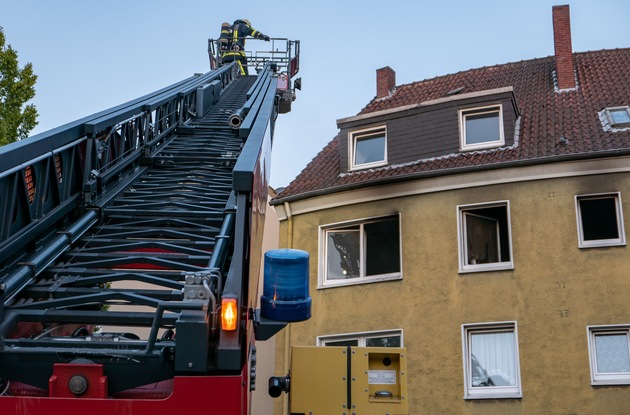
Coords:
pixel 490 392
pixel 361 337
pixel 323 281
pixel 611 121
pixel 354 136
pixel 603 378
pixel 620 241
pixel 464 267
pixel 465 112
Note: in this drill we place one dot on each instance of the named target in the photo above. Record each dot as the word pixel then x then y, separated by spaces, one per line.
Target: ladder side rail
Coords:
pixel 93 152
pixel 38 194
pixel 254 93
pixel 12 283
pixel 250 178
pixel 160 114
pixel 20 152
pixel 267 89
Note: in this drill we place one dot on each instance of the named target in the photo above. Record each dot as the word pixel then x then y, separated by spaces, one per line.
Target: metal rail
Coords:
pixel 283 52
pixel 45 178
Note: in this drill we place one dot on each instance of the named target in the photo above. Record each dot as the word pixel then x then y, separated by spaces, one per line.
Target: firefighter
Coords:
pixel 232 42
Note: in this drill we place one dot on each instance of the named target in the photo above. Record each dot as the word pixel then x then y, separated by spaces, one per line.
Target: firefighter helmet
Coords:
pixel 246 22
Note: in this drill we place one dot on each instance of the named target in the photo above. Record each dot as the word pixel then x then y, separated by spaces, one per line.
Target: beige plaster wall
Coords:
pixel 554 292
pixel 261 402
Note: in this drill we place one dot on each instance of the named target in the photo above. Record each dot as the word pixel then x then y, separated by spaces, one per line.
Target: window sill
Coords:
pixel 601 244
pixel 498 266
pixel 367 166
pixel 493 396
pixel 617 382
pixel 345 283
pixel 483 146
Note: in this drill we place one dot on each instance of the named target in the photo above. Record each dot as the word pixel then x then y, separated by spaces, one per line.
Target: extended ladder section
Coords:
pixel 122 233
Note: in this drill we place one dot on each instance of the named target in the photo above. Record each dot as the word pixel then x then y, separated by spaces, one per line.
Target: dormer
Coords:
pixel 459 122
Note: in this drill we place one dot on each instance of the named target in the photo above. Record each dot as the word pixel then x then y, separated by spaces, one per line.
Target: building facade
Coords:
pixel 478 220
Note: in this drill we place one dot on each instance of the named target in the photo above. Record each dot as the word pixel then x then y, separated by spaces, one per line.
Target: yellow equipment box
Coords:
pixel 348 381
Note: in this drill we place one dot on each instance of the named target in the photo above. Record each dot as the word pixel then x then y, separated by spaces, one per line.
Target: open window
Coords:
pixel 600 220
pixel 388 338
pixel 485 241
pixel 368 148
pixel 360 251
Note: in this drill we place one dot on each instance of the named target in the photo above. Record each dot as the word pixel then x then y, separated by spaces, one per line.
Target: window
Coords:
pixel 618 117
pixel 481 128
pixel 368 148
pixel 609 352
pixel 491 363
pixel 485 237
pixel 389 338
pixel 361 251
pixel 600 221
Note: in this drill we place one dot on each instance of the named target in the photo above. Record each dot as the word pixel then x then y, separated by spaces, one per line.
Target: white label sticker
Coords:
pixel 382 377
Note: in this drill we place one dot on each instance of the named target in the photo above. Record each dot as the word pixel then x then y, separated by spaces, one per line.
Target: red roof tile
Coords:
pixel 546 116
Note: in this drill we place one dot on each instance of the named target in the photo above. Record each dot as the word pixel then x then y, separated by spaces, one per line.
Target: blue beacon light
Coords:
pixel 285 292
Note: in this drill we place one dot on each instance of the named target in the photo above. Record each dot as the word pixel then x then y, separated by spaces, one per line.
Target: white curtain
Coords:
pixel 612 353
pixel 496 354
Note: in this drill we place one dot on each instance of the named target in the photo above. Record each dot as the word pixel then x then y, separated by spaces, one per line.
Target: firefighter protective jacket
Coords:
pixel 239 31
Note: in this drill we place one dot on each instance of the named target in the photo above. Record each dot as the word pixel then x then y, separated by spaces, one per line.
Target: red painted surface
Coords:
pixel 194 395
pixel 64 373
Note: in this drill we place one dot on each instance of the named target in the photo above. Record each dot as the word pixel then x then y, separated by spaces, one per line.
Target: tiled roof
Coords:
pixel 554 124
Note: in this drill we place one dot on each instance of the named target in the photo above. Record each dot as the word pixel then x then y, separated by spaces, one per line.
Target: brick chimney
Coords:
pixel 385 82
pixel 565 68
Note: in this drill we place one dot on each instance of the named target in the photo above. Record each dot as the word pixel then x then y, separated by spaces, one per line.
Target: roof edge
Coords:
pixel 389 111
pixel 447 172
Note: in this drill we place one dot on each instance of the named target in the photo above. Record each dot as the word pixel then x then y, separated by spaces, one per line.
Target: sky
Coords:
pixel 90 55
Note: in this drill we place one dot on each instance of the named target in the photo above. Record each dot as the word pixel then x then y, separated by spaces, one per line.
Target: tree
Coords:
pixel 17 86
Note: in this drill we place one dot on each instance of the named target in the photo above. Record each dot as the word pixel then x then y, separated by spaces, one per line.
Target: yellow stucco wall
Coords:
pixel 261 403
pixel 553 293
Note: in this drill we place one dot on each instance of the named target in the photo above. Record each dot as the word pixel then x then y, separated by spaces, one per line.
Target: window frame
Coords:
pixel 490 392
pixel 611 121
pixel 324 230
pixel 354 136
pixel 603 378
pixel 360 336
pixel 463 113
pixel 598 243
pixel 464 267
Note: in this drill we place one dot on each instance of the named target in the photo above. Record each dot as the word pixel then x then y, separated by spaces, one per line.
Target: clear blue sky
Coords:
pixel 90 55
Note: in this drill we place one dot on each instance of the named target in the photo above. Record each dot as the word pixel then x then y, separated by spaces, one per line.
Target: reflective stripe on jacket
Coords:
pixel 239 32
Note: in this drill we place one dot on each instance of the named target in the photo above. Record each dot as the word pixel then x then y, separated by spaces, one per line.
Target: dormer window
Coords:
pixel 481 127
pixel 368 148
pixel 618 117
